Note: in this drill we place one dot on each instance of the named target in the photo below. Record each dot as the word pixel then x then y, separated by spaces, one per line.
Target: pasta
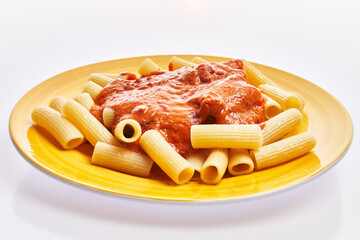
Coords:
pixel 121 159
pixel 283 150
pixel 176 63
pixel 63 131
pixel 285 99
pixel 240 162
pixel 254 76
pixel 198 157
pixel 85 100
pixel 198 60
pixel 172 163
pixel 226 136
pixel 280 125
pixel 88 125
pixel 108 116
pixel 271 108
pixel 57 103
pixel 128 130
pixel 215 166
pixel 147 67
pixel 93 89
pixel 100 79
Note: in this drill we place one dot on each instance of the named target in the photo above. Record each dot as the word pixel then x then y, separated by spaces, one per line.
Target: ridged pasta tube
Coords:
pixel 85 100
pixel 57 103
pixel 271 107
pixel 92 88
pixel 99 79
pixel 240 162
pixel 254 76
pixel 170 161
pixel 247 136
pixel 198 157
pixel 215 166
pixel 108 116
pixel 128 130
pixel 285 99
pixel 148 67
pixel 110 75
pixel 198 60
pixel 121 159
pixel 58 126
pixel 302 100
pixel 283 150
pixel 276 127
pixel 176 63
pixel 88 125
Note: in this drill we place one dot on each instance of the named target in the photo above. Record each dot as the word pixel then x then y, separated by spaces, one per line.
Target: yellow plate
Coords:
pixel 326 119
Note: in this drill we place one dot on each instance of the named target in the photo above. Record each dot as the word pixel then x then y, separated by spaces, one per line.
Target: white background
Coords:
pixel 317 40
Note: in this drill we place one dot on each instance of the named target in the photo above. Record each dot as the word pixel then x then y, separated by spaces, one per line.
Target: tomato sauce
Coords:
pixel 172 101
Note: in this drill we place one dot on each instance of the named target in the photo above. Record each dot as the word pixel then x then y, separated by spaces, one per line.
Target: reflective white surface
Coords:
pixel 317 40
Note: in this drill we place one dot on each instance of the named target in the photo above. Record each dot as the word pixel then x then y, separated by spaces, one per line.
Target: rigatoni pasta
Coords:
pixel 62 129
pixel 215 166
pixel 254 76
pixel 57 103
pixel 148 67
pixel 285 99
pixel 172 163
pixel 108 116
pixel 280 125
pixel 88 125
pixel 198 157
pixel 100 79
pixel 226 136
pixel 198 60
pixel 85 100
pixel 240 162
pixel 176 63
pixel 128 130
pixel 283 150
pixel 92 88
pixel 121 159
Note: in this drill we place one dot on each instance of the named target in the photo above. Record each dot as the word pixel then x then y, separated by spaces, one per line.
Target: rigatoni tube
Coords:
pixel 215 166
pixel 254 76
pixel 85 100
pixel 99 79
pixel 57 103
pixel 108 116
pixel 121 159
pixel 286 99
pixel 276 127
pixel 58 126
pixel 128 130
pixel 271 107
pixel 89 126
pixel 198 60
pixel 176 63
pixel 283 150
pixel 198 157
pixel 226 136
pixel 170 161
pixel 148 67
pixel 240 162
pixel 92 88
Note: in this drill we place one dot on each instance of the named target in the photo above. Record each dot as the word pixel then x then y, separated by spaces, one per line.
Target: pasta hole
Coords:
pixel 211 173
pixel 73 143
pixel 210 120
pixel 241 168
pixel 292 102
pixel 185 175
pixel 128 131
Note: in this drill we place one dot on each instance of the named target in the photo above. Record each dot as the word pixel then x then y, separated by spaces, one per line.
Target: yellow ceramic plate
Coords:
pixel 327 120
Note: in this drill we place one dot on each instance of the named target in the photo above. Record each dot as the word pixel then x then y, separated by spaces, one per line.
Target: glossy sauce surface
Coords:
pixel 173 101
